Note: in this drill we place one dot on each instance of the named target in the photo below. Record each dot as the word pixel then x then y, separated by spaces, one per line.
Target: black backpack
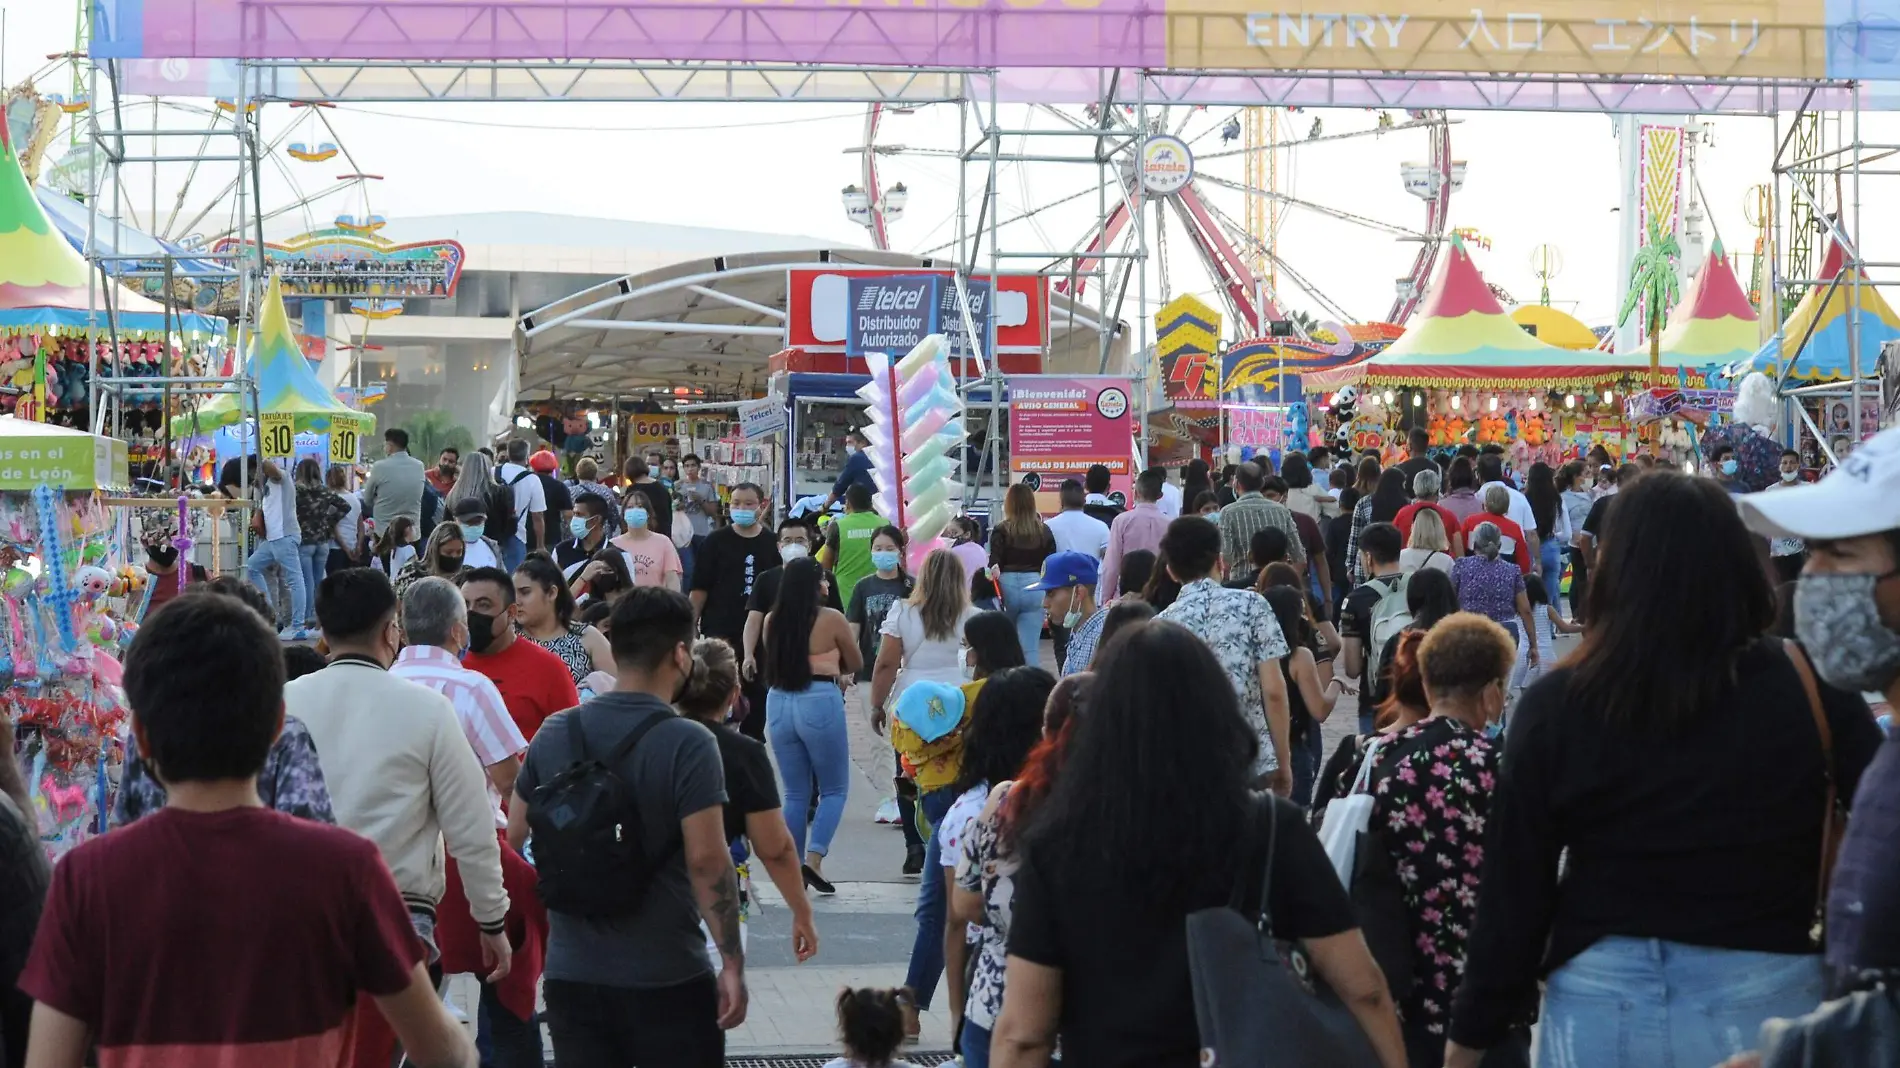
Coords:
pixel 589 848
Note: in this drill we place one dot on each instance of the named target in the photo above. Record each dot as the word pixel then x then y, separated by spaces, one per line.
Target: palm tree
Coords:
pixel 1653 283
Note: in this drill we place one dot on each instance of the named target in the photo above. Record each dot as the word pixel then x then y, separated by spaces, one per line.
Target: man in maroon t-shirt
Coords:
pixel 217 931
pixel 534 683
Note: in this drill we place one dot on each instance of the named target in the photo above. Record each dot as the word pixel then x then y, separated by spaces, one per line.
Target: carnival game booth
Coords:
pixel 56 316
pixel 290 402
pixel 1812 362
pixel 1470 374
pixel 68 593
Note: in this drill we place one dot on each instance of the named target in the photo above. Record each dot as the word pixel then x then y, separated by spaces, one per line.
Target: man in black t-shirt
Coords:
pixel 1599 512
pixel 1380 545
pixel 724 573
pixel 1098 504
pixel 560 501
pixel 1416 444
pixel 794 541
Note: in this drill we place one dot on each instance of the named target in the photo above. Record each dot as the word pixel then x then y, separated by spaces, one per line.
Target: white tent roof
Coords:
pixel 716 322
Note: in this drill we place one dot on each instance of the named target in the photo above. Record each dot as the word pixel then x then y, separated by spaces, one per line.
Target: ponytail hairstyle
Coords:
pixel 871 1023
pixel 715 678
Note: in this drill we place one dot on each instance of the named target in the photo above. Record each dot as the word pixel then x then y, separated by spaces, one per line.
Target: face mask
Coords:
pixel 637 518
pixel 451 564
pixel 481 631
pixel 1728 467
pixel 471 532
pixel 163 557
pixel 1837 620
pixel 885 561
pixel 793 551
pixel 1790 476
pixel 1211 517
pixel 1073 618
pixel 964 666
pixel 744 517
pixel 852 449
pixel 577 526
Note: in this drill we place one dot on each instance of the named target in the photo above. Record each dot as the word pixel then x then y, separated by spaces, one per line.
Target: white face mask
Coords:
pixel 793 551
pixel 1790 476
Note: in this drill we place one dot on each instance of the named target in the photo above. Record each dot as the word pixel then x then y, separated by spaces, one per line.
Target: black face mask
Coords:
pixel 451 564
pixel 163 557
pixel 481 631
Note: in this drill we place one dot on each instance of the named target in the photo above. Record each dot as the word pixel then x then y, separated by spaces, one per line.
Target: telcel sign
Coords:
pixel 1167 165
pixel 894 312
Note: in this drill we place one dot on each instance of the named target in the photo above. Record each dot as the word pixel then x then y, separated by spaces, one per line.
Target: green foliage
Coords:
pixel 432 430
pixel 1653 280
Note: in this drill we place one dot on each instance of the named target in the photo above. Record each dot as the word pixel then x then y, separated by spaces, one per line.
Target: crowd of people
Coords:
pixel 570 728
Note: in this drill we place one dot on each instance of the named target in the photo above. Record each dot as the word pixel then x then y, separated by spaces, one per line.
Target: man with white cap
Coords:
pixel 1847 615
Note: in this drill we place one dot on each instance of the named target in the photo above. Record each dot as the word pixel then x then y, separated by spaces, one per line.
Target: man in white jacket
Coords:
pixel 399 768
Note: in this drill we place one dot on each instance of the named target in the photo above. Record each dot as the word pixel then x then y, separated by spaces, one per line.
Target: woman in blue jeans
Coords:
pixel 809 653
pixel 1018 546
pixel 1673 772
pixel 1553 525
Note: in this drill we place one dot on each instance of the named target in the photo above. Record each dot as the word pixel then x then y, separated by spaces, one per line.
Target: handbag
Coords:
pixel 1834 814
pixel 1365 869
pixel 1257 1001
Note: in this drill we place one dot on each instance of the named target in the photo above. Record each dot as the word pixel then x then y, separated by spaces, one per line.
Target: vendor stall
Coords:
pixel 1469 374
pixel 67 593
pixel 56 316
pixel 1812 362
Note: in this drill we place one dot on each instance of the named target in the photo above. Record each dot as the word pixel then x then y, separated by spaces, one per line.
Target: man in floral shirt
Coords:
pixel 292 779
pixel 1241 629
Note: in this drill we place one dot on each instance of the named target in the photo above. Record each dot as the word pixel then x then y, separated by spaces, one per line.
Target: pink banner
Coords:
pixel 1060 426
pixel 961 33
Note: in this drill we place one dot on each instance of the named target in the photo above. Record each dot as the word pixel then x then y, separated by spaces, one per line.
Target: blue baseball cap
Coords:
pixel 1065 569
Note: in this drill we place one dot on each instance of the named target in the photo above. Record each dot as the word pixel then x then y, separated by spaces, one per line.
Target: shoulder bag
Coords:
pixel 1257 1001
pixel 1364 864
pixel 1834 814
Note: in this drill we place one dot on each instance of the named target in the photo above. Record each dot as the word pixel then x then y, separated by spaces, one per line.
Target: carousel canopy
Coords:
pixel 46 285
pixel 285 382
pixel 1461 337
pixel 1555 327
pixel 1825 357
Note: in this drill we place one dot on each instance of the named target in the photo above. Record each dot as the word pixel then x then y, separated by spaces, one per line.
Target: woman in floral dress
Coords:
pixel 1431 784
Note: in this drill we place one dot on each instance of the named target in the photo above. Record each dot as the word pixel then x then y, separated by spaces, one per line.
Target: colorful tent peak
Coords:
pixel 1459 289
pixel 1715 293
pixel 37 267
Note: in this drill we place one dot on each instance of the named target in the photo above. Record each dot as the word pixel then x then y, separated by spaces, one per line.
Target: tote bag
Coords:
pixel 1258 1002
pixel 1348 817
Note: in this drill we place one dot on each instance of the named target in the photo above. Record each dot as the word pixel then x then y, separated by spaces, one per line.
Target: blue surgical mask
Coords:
pixel 1728 467
pixel 744 517
pixel 637 518
pixel 577 526
pixel 471 532
pixel 886 561
pixel 1211 517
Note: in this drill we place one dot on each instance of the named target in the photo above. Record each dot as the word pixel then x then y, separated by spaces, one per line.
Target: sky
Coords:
pixel 1533 179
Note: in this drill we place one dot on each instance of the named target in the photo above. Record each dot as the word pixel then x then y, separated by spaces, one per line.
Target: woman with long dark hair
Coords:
pixel 1574 489
pixel 1302 494
pixel 1553 525
pixel 1005 724
pixel 1098 942
pixel 1309 701
pixel 1675 759
pixel 545 608
pixel 1195 480
pixel 1162 588
pixel 1018 546
pixel 809 651
pixel 1381 506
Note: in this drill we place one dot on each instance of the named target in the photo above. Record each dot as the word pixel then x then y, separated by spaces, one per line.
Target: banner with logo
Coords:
pixel 761 418
pixel 1187 343
pixel 1060 426
pixel 1624 38
pixel 893 313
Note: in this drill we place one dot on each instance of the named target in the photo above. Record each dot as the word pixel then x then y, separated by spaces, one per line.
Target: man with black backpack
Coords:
pixel 1373 613
pixel 530 505
pixel 624 800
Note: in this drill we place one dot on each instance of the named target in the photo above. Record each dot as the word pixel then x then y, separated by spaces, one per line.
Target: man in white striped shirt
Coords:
pixel 434 625
pixel 435 628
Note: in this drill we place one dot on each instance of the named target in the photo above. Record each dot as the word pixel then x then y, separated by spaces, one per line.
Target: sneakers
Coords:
pixel 887 814
pixel 293 634
pixel 914 860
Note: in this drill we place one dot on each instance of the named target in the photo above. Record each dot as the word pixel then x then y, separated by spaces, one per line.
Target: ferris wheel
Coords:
pixel 1247 206
pixel 178 197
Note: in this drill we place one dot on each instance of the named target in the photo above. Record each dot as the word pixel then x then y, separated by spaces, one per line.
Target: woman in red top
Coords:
pixel 1497 501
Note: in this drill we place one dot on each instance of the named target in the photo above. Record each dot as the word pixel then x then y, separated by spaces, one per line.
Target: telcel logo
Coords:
pixel 906 299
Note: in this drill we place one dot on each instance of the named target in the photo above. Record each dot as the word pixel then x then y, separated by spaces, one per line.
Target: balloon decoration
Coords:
pixel 916 420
